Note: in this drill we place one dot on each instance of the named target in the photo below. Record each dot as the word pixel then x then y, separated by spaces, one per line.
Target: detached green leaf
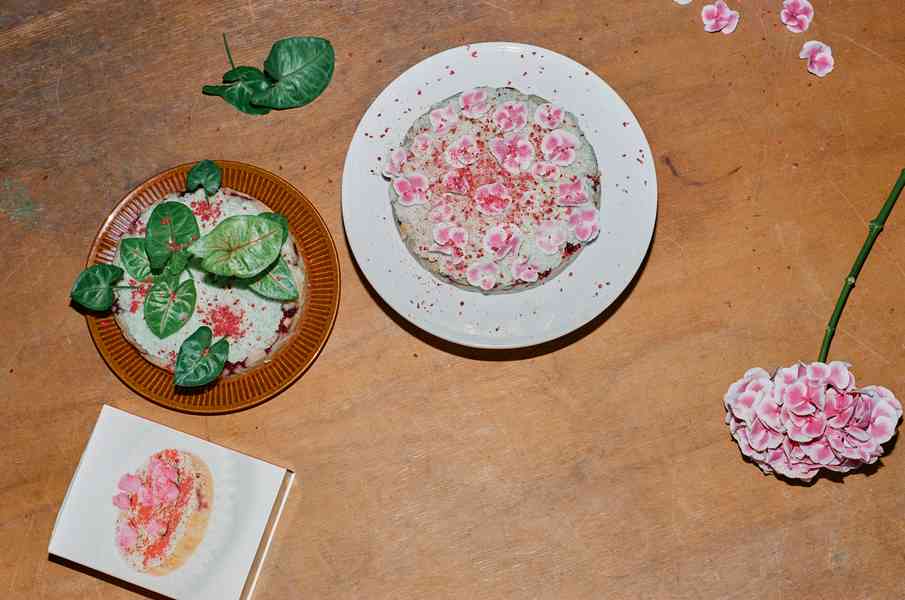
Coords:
pixel 93 288
pixel 135 259
pixel 301 68
pixel 240 246
pixel 242 83
pixel 171 228
pixel 168 307
pixel 277 217
pixel 276 282
pixel 199 362
pixel 206 173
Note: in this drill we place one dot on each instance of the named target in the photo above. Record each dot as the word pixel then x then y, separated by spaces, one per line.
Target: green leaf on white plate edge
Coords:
pixel 93 288
pixel 171 227
pixel 135 259
pixel 199 362
pixel 239 246
pixel 301 68
pixel 168 306
pixel 276 282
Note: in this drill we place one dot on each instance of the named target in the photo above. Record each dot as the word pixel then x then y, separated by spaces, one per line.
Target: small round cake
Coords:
pixel 164 508
pixel 494 190
pixel 255 326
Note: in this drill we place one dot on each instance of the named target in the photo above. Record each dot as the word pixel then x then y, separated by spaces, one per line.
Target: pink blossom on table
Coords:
pixel 455 182
pixel 126 536
pixel 550 237
pixel 463 152
pixel 719 17
pixel 474 103
pixel 549 116
pixel 584 222
pixel 809 416
pixel 492 198
pixel 571 194
pixel 500 240
pixel 394 162
pixel 412 189
pixel 422 144
pixel 514 152
pixel 510 116
pixel 797 15
pixel 523 270
pixel 819 56
pixel 122 501
pixel 544 170
pixel 442 212
pixel 444 119
pixel 483 275
pixel 129 483
pixel 558 147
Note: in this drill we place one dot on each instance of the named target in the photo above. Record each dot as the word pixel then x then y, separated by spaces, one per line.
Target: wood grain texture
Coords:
pixel 594 468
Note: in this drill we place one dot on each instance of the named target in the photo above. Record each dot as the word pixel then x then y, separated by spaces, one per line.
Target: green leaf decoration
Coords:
pixel 174 267
pixel 171 228
pixel 241 84
pixel 132 252
pixel 276 282
pixel 198 362
pixel 284 223
pixel 239 246
pixel 168 307
pixel 301 68
pixel 93 288
pixel 205 174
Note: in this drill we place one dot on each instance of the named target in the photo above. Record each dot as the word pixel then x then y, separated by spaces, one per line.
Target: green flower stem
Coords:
pixel 229 54
pixel 873 230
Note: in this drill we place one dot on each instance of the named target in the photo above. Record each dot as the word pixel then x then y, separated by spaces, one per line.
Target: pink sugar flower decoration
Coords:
pixel 549 116
pixel 511 116
pixel 819 56
pixel 444 119
pixel 455 182
pixel 492 198
pixel 523 270
pixel 412 189
pixel 719 17
pixel 394 162
pixel 514 152
pixel 797 15
pixel 422 144
pixel 449 234
pixel 550 237
pixel 500 240
pixel 544 170
pixel 483 275
pixel 558 147
pixel 571 194
pixel 584 222
pixel 441 213
pixel 463 152
pixel 474 103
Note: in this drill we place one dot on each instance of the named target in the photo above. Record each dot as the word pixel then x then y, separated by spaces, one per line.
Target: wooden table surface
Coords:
pixel 594 467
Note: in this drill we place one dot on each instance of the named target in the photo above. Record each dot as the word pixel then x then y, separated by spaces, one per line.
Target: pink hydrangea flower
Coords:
pixel 463 152
pixel 483 275
pixel 422 144
pixel 558 147
pixel 122 501
pixel 808 417
pixel 514 152
pixel 474 103
pixel 129 483
pixel 412 189
pixel 126 536
pixel 444 119
pixel 442 212
pixel 797 15
pixel 544 170
pixel 719 17
pixel 820 57
pixel 511 116
pixel 500 240
pixel 455 182
pixel 584 222
pixel 492 198
pixel 523 270
pixel 571 194
pixel 449 239
pixel 550 237
pixel 549 116
pixel 394 162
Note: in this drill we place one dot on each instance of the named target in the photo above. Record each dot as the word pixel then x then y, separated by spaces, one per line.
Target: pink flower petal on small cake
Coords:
pixel 546 171
pixel 572 194
pixel 455 182
pixel 584 222
pixel 550 237
pixel 442 213
pixel 394 162
pixel 483 275
pixel 523 270
pixel 422 144
pixel 129 483
pixel 514 152
pixel 492 198
pixel 549 116
pixel 474 103
pixel 500 240
pixel 463 152
pixel 510 116
pixel 450 234
pixel 412 189
pixel 558 147
pixel 444 119
pixel 122 501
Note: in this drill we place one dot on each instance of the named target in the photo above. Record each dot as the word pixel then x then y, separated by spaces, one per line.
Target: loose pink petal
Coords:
pixel 444 119
pixel 821 64
pixel 126 536
pixel 394 162
pixel 121 500
pixel 129 483
pixel 797 15
pixel 719 17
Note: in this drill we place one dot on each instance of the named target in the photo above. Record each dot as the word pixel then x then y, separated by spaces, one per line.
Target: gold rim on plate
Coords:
pixel 318 251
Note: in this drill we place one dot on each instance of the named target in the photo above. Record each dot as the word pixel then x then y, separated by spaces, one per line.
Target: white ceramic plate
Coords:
pixel 581 292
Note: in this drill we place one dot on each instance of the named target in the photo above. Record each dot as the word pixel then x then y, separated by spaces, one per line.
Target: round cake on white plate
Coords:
pixel 254 326
pixel 494 190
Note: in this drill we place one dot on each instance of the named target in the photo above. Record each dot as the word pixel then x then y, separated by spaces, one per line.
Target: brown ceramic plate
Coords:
pixel 316 247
